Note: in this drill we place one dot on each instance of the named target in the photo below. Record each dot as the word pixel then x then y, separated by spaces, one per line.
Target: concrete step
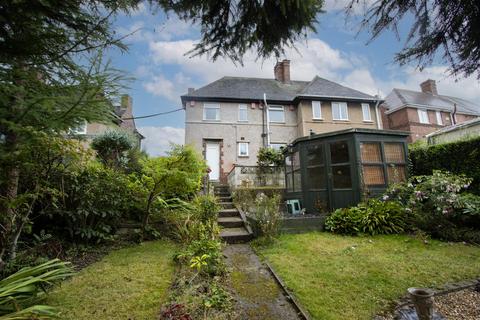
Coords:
pixel 225 199
pixel 230 222
pixel 228 213
pixel 235 235
pixel 227 205
pixel 222 194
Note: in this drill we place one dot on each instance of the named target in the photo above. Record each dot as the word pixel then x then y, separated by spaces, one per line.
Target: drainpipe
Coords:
pixel 268 119
pixel 377 114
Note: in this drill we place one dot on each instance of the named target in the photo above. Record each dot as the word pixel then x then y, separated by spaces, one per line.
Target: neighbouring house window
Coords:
pixel 243 149
pixel 242 112
pixel 80 129
pixel 211 111
pixel 278 146
pixel 439 118
pixel 317 109
pixel 316 171
pixel 372 164
pixel 366 112
pixel 340 111
pixel 395 160
pixel 423 116
pixel 276 113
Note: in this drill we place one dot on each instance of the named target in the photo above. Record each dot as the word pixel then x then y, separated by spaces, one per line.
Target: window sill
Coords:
pixel 341 120
pixel 211 120
pixel 277 122
pixel 317 119
pixel 368 121
pixel 243 121
pixel 243 156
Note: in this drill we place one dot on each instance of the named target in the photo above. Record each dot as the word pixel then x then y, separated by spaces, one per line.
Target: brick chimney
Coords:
pixel 191 90
pixel 429 86
pixel 282 71
pixel 126 103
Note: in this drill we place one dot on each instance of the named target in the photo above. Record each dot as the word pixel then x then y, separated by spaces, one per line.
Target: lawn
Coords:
pixel 337 277
pixel 129 283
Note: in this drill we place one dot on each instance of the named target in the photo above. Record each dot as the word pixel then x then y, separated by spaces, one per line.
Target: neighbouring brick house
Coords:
pixel 424 112
pixel 230 119
pixel 123 120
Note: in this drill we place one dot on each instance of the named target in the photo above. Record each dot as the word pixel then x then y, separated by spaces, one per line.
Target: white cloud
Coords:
pixel 161 87
pixel 311 58
pixel 410 78
pixel 362 80
pixel 158 139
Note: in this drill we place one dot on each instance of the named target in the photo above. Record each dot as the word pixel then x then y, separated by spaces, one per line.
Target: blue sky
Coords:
pixel 162 72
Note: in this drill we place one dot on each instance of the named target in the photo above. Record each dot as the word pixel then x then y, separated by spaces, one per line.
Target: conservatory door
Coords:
pixel 340 184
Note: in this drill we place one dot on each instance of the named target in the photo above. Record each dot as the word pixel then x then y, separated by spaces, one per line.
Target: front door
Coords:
pixel 212 155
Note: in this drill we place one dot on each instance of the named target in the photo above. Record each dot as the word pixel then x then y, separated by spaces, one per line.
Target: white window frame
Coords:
pixel 211 106
pixel 279 144
pixel 421 114
pixel 343 117
pixel 239 149
pixel 317 115
pixel 366 112
pixel 438 114
pixel 276 108
pixel 81 129
pixel 242 107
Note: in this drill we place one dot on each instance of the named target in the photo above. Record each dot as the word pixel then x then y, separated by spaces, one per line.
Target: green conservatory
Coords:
pixel 337 169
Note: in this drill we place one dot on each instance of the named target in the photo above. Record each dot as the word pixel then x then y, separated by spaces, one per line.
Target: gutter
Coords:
pixel 268 119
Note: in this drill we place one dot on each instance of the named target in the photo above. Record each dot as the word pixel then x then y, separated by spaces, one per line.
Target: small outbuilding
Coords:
pixel 338 169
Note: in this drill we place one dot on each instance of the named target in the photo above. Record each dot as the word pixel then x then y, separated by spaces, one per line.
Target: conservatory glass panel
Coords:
pixel 341 177
pixel 396 173
pixel 315 155
pixel 339 152
pixel 373 175
pixel 316 177
pixel 394 152
pixel 370 152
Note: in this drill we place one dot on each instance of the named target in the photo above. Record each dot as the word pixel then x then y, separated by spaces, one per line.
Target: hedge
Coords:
pixel 456 157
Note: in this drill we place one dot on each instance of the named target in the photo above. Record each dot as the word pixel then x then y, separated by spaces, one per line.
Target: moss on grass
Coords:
pixel 130 283
pixel 338 277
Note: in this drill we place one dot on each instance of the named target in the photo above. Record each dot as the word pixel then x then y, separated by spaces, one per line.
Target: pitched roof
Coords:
pixel 254 89
pixel 326 88
pixel 400 98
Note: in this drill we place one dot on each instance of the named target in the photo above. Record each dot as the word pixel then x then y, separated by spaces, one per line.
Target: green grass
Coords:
pixel 129 283
pixel 337 277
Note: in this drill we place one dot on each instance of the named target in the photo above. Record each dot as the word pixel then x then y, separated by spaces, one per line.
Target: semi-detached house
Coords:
pixel 230 119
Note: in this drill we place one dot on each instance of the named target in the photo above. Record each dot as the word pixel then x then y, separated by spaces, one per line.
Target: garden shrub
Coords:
pixel 439 205
pixel 112 148
pixel 93 201
pixel 211 249
pixel 370 217
pixel 267 215
pixel 461 157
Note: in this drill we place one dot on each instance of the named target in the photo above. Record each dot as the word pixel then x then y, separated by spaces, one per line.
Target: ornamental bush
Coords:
pixel 370 217
pixel 440 205
pixel 461 157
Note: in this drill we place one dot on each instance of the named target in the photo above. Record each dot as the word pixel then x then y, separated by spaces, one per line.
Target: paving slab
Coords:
pixel 257 294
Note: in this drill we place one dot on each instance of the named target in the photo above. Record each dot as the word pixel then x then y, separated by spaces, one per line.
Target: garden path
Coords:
pixel 257 294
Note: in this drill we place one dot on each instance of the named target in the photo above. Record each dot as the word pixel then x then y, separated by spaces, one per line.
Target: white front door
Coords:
pixel 213 160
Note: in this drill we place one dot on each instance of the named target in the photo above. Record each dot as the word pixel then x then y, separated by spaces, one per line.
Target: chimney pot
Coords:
pixel 429 86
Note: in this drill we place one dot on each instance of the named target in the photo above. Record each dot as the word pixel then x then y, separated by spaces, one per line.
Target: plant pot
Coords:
pixel 422 299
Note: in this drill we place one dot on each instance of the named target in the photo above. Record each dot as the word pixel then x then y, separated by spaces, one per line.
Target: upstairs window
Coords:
pixel 439 118
pixel 242 112
pixel 276 114
pixel 366 112
pixel 317 110
pixel 423 116
pixel 243 149
pixel 278 145
pixel 211 111
pixel 340 111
